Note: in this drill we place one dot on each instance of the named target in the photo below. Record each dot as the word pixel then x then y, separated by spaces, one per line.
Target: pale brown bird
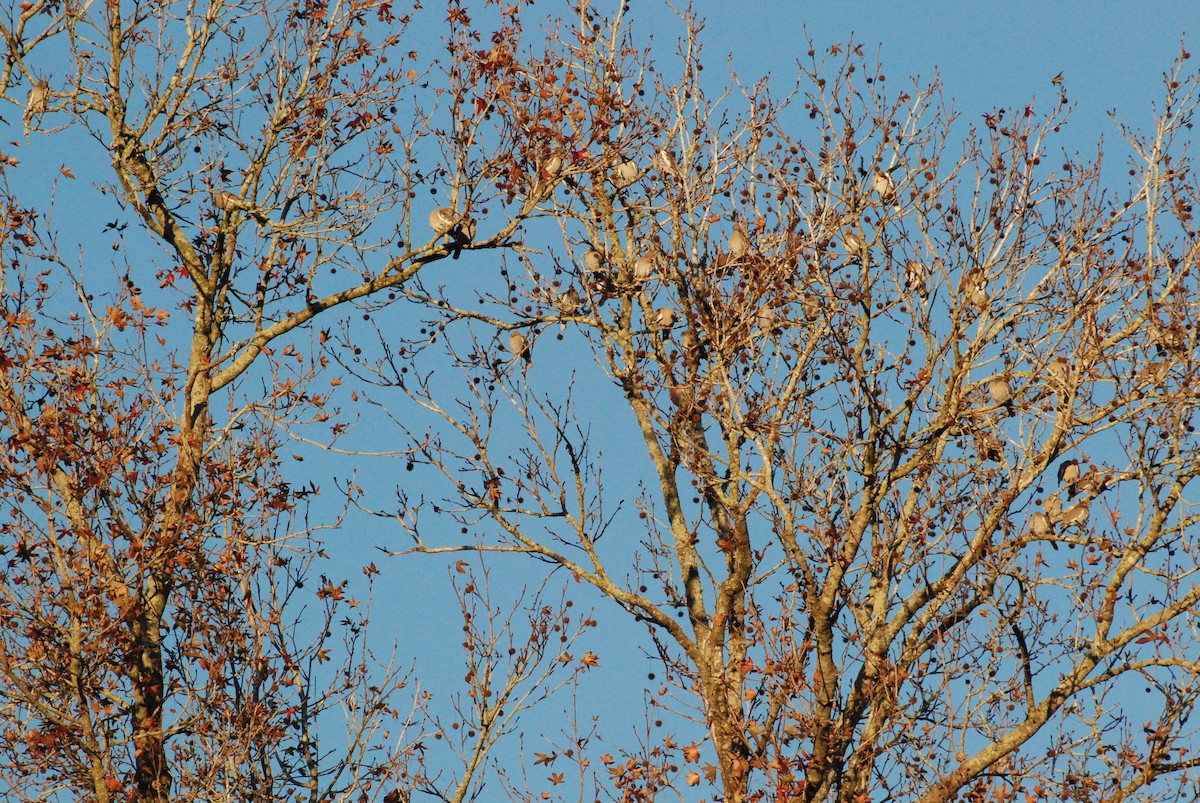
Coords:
pixel 1040 525
pixel 916 278
pixel 989 447
pixel 1155 373
pixel 1068 475
pixel 811 306
pixel 855 245
pixel 664 318
pixel 593 260
pixel 1053 507
pixel 693 349
pixel 644 268
pixel 766 318
pixel 568 301
pixel 664 160
pixel 883 184
pixel 979 297
pixel 1077 514
pixel 1093 482
pixel 1001 392
pixel 226 201
pixel 739 241
pixel 553 167
pixel 520 346
pixel 1058 372
pixel 459 227
pixel 442 220
pixel 626 173
pixel 36 103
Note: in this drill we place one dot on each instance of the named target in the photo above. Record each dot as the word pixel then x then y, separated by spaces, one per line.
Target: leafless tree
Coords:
pixel 856 337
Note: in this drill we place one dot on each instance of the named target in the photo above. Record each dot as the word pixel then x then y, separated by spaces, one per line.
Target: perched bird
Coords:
pixel 626 173
pixel 1167 337
pixel 1001 393
pixel 916 278
pixel 664 160
pixel 1068 475
pixel 520 346
pixel 1077 514
pixel 553 167
pixel 1155 373
pixel 1053 507
pixel 766 318
pixel 1058 372
pixel 882 183
pixel 693 349
pixel 811 306
pixel 855 245
pixel 465 232
pixel 989 447
pixel 226 201
pixel 460 227
pixel 593 260
pixel 739 241
pixel 442 220
pixel 979 297
pixel 36 103
pixel 644 268
pixel 1040 525
pixel 1093 482
pixel 568 301
pixel 664 318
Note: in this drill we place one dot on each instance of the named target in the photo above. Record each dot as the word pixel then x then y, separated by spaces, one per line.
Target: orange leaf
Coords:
pixel 66 171
pixel 590 659
pixel 693 778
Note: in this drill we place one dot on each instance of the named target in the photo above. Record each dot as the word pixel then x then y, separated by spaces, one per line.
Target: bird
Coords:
pixel 465 232
pixel 739 241
pixel 811 305
pixel 664 318
pixel 36 103
pixel 916 278
pixel 1092 482
pixel 1053 507
pixel 553 166
pixel 593 260
pixel 226 201
pixel 459 227
pixel 626 173
pixel 520 346
pixel 568 301
pixel 883 184
pixel 693 349
pixel 1040 524
pixel 1077 514
pixel 979 297
pixel 1155 373
pixel 1058 371
pixel 644 268
pixel 855 244
pixel 1001 393
pixel 1068 475
pixel 664 160
pixel 766 318
pixel 442 220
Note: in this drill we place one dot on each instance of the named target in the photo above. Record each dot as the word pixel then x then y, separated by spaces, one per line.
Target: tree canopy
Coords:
pixel 874 423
